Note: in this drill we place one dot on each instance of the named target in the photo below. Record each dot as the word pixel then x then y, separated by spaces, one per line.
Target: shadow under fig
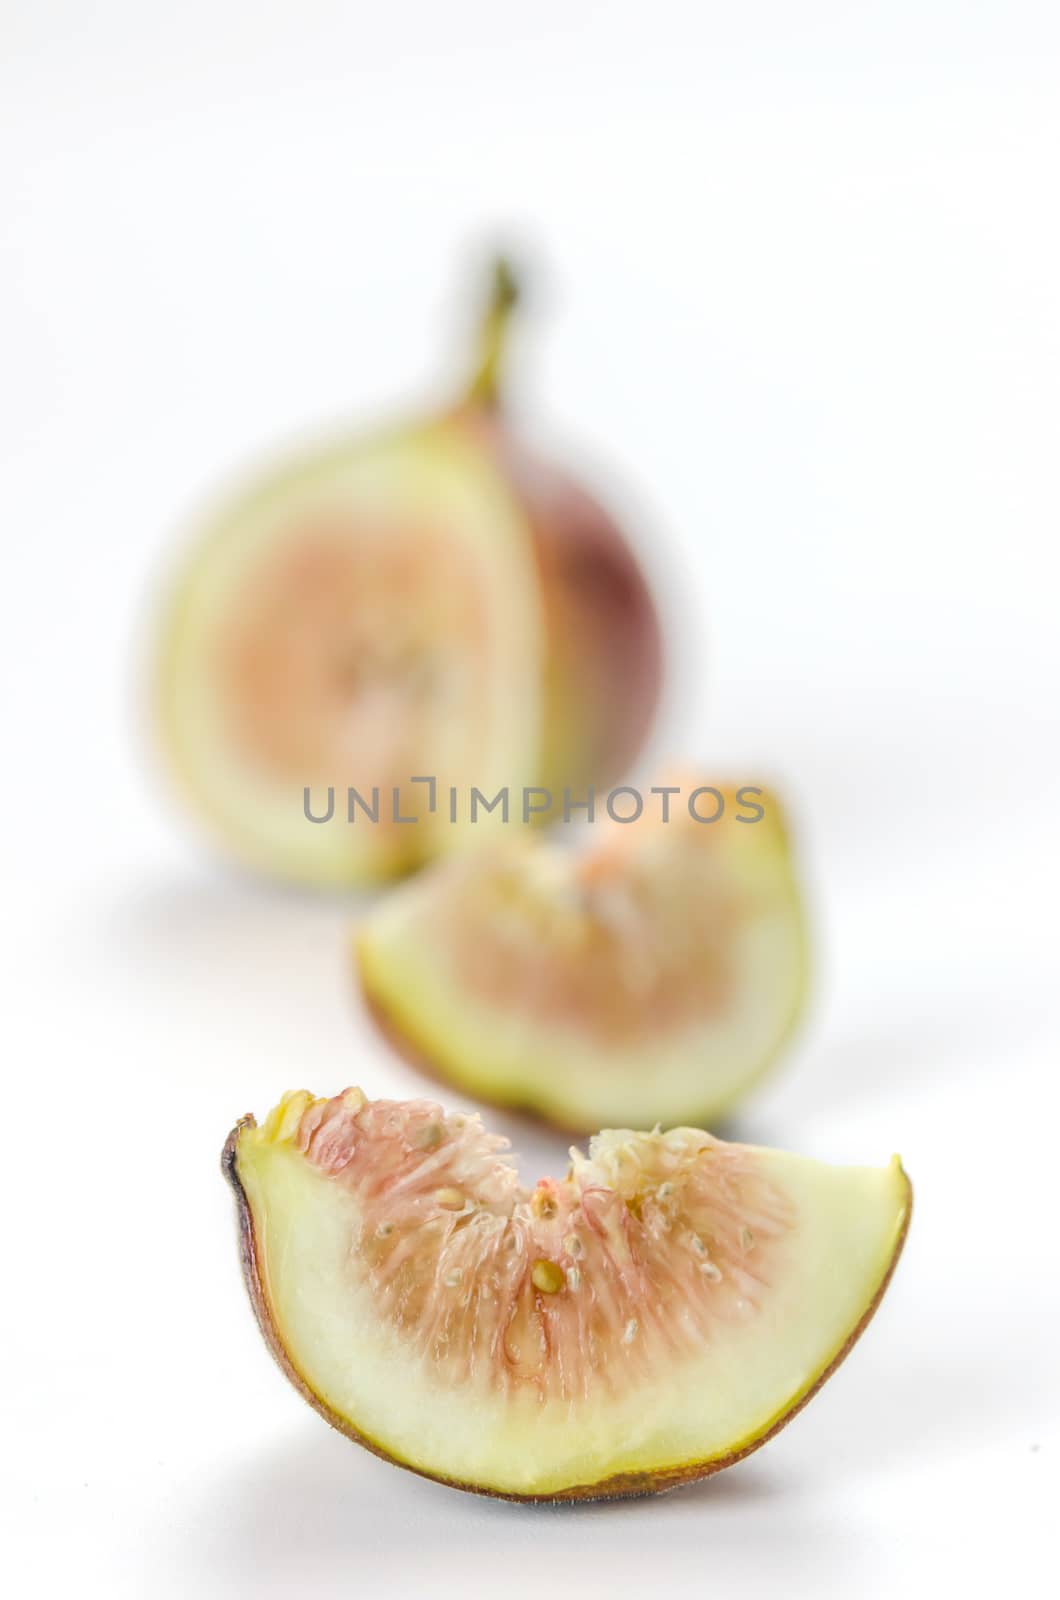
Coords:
pixel 956 1036
pixel 317 1510
pixel 225 924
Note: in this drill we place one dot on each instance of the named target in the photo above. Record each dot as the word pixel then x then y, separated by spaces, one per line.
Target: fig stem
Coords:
pixel 503 296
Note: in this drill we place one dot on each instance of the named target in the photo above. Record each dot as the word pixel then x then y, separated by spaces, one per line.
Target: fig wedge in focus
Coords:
pixel 430 601
pixel 646 1320
pixel 654 977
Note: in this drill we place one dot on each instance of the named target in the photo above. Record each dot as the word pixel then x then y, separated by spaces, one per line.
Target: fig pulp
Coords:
pixel 648 1319
pixel 432 601
pixel 655 977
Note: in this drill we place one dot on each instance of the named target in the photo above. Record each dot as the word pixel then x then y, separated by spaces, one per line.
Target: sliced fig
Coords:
pixel 429 602
pixel 654 978
pixel 648 1319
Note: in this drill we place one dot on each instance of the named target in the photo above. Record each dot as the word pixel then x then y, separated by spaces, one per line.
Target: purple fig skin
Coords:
pixel 605 644
pixel 604 639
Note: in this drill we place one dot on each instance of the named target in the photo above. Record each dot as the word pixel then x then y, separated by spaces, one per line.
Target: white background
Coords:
pixel 797 272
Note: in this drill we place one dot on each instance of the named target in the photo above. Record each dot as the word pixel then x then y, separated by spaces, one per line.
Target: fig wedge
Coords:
pixel 648 1319
pixel 654 977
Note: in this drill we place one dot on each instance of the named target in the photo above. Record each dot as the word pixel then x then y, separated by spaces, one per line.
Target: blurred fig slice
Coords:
pixel 649 1319
pixel 428 602
pixel 654 978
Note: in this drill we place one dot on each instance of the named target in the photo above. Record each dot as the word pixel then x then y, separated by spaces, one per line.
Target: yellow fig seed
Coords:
pixel 546 1276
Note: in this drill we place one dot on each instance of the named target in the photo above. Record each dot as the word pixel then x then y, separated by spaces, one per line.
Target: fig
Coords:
pixel 648 1319
pixel 655 976
pixel 429 602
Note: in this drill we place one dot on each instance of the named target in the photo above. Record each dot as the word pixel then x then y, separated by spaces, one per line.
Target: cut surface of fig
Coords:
pixel 647 1319
pixel 369 617
pixel 654 976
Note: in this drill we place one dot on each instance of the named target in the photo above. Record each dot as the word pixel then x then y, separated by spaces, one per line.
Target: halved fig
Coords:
pixel 429 602
pixel 655 977
pixel 648 1319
